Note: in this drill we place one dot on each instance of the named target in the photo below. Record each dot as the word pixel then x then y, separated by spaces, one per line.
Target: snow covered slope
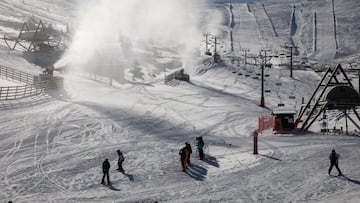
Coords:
pixel 52 146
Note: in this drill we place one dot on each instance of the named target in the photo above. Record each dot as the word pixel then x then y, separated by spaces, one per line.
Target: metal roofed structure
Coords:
pixel 334 92
pixel 34 36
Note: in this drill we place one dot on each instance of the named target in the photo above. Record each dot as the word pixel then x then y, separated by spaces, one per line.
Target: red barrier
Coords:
pixel 265 123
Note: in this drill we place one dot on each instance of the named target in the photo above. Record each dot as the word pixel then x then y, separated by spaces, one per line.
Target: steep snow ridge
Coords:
pixel 347 29
pixel 266 27
pixel 55 12
pixel 293 25
pixel 330 17
pixel 245 28
pixel 280 14
pixel 325 33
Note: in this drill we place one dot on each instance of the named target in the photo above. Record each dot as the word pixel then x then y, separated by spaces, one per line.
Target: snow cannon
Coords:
pixel 49 70
pixel 50 81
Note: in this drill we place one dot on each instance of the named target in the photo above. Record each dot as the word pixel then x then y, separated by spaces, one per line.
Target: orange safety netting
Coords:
pixel 265 123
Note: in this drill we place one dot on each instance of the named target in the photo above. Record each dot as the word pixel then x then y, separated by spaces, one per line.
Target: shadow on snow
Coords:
pixel 211 161
pixel 352 180
pixel 131 177
pixel 111 187
pixel 197 172
pixel 270 157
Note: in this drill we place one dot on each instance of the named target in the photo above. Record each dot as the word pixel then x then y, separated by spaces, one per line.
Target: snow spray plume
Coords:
pixel 118 33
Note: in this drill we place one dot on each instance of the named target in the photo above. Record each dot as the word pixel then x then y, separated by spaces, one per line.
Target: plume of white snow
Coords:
pixel 110 32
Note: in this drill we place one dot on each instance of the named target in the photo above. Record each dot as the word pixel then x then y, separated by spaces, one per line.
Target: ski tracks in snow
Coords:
pixel 56 137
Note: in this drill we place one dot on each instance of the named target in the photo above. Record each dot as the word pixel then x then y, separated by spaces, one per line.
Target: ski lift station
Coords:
pixel 334 93
pixel 342 97
pixel 283 120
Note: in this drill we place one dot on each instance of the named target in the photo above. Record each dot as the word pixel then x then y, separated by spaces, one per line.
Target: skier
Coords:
pixel 188 146
pixel 184 154
pixel 106 168
pixel 200 145
pixel 120 161
pixel 334 157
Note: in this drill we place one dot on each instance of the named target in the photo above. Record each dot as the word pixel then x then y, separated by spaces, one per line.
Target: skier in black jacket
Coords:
pixel 188 146
pixel 106 168
pixel 120 161
pixel 334 161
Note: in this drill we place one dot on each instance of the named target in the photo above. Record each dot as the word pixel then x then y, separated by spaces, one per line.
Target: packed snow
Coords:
pixel 52 146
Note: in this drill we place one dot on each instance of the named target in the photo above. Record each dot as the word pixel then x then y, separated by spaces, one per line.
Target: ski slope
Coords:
pixel 245 28
pixel 56 152
pixel 52 146
pixel 325 37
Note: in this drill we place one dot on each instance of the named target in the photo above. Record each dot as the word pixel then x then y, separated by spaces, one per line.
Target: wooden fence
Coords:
pixel 29 89
pixel 169 78
pixel 13 74
pixel 95 77
pixel 178 75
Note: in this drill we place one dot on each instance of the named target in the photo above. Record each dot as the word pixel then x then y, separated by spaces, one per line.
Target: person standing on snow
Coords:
pixel 188 146
pixel 120 161
pixel 334 161
pixel 184 154
pixel 106 168
pixel 200 145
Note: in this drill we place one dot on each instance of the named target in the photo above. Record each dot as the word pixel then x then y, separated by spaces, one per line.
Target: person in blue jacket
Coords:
pixel 200 146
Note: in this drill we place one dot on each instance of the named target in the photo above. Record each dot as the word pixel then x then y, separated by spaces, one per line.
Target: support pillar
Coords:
pixel 262 99
pixel 346 122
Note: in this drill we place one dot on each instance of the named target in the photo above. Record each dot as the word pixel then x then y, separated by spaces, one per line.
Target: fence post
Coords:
pixel 255 134
pixel 16 91
pixel 7 93
pixel 25 90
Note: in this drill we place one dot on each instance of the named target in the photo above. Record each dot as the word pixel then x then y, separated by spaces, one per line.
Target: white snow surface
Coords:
pixel 52 146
